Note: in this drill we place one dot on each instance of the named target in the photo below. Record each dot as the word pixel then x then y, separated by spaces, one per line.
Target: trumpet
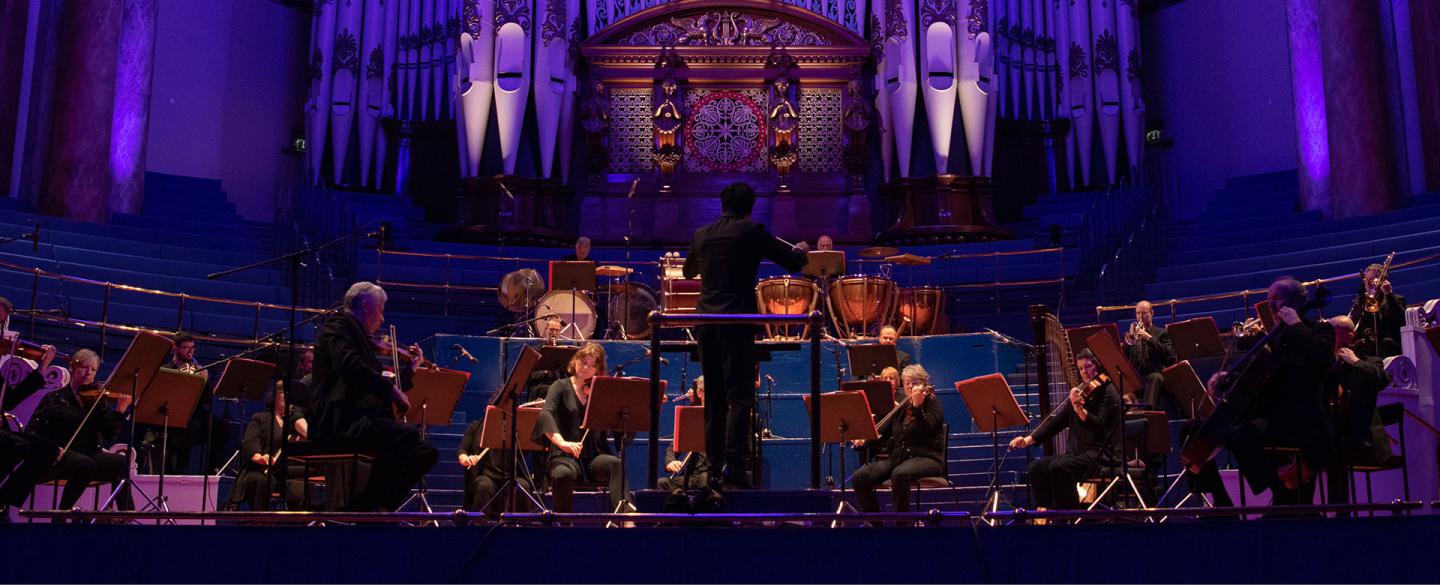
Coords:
pixel 1133 335
pixel 1248 327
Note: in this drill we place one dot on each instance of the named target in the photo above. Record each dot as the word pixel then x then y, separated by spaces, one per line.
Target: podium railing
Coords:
pixel 659 321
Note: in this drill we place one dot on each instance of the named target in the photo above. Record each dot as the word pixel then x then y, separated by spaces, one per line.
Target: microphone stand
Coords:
pixel 293 258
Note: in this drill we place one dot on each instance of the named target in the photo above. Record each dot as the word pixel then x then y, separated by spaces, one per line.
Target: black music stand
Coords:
pixel 498 434
pixel 1113 363
pixel 871 358
pixel 1266 314
pixel 1195 338
pixel 880 394
pixel 844 416
pixel 574 276
pixel 169 401
pixel 1078 335
pixel 689 436
pixel 991 394
pixel 620 405
pixel 147 352
pixel 433 395
pixel 242 379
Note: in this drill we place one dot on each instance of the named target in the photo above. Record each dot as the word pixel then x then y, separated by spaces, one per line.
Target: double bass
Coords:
pixel 1238 387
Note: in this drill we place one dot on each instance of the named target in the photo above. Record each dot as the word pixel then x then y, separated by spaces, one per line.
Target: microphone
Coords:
pixel 35 239
pixel 465 354
pixel 662 358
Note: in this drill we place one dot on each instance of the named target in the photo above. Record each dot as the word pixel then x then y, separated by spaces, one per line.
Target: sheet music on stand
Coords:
pixel 433 395
pixel 869 359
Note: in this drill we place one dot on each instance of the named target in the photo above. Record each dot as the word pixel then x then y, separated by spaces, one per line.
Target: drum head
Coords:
pixel 576 312
pixel 520 289
pixel 630 307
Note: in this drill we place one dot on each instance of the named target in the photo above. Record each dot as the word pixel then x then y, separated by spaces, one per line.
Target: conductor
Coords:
pixel 726 255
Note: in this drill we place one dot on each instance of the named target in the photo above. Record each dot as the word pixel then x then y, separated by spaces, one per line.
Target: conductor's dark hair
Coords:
pixel 737 199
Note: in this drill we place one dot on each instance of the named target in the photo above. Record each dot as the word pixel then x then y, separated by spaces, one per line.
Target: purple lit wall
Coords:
pixel 1307 78
pixel 1217 74
pixel 229 85
pixel 134 58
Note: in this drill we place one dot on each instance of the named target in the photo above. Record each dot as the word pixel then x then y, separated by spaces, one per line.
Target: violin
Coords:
pixel 385 345
pixel 27 349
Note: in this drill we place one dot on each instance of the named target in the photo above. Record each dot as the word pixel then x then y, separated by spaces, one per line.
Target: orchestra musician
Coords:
pixel 1289 409
pixel 22 457
pixel 1377 333
pixel 892 376
pixel 581 253
pixel 1353 385
pixel 915 432
pixel 71 416
pixel 575 454
pixel 888 336
pixel 1091 415
pixel 201 424
pixel 824 244
pixel 687 470
pixel 300 395
pixel 485 471
pixel 263 458
pixel 726 255
pixel 540 380
pixel 355 402
pixel 1151 351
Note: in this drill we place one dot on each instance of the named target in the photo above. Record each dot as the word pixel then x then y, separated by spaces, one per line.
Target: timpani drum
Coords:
pixel 575 309
pixel 924 306
pixel 862 304
pixel 787 296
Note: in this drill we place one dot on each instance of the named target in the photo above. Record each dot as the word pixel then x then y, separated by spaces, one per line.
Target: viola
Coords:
pixel 26 349
pixel 384 346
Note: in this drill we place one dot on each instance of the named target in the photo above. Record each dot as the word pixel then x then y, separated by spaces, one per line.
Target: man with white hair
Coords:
pixel 355 402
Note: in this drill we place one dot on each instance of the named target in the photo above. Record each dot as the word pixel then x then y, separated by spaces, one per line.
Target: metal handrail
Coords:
pixel 658 322
pixel 1100 310
pixel 150 291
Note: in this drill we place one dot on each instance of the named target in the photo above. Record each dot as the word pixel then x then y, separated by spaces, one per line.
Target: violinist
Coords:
pixel 23 457
pixel 1151 351
pixel 70 416
pixel 261 452
pixel 575 454
pixel 355 401
pixel 915 431
pixel 687 470
pixel 1091 415
pixel 485 471
pixel 1378 314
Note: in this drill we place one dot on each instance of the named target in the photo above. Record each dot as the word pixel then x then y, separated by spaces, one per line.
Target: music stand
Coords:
pixel 1078 335
pixel 574 276
pixel 1182 381
pixel 689 436
pixel 619 405
pixel 433 394
pixel 878 393
pixel 1194 338
pixel 871 358
pixel 1113 363
pixel 243 379
pixel 498 434
pixel 146 353
pixel 991 394
pixel 169 400
pixel 1266 314
pixel 844 416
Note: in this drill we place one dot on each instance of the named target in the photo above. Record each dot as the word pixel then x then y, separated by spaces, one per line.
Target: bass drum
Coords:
pixel 630 307
pixel 925 308
pixel 786 296
pixel 575 310
pixel 862 304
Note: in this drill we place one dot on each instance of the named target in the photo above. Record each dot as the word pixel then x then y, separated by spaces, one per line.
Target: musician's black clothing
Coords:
pixel 484 478
pixel 353 411
pixel 902 359
pixel 696 468
pixel 1092 442
pixel 916 438
pixel 55 421
pixel 1150 358
pixel 22 457
pixel 1289 410
pixel 1378 334
pixel 255 482
pixel 726 255
pixel 563 413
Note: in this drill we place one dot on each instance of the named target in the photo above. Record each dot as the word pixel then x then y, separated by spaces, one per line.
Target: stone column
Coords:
pixel 1308 87
pixel 75 182
pixel 1363 178
pixel 135 60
